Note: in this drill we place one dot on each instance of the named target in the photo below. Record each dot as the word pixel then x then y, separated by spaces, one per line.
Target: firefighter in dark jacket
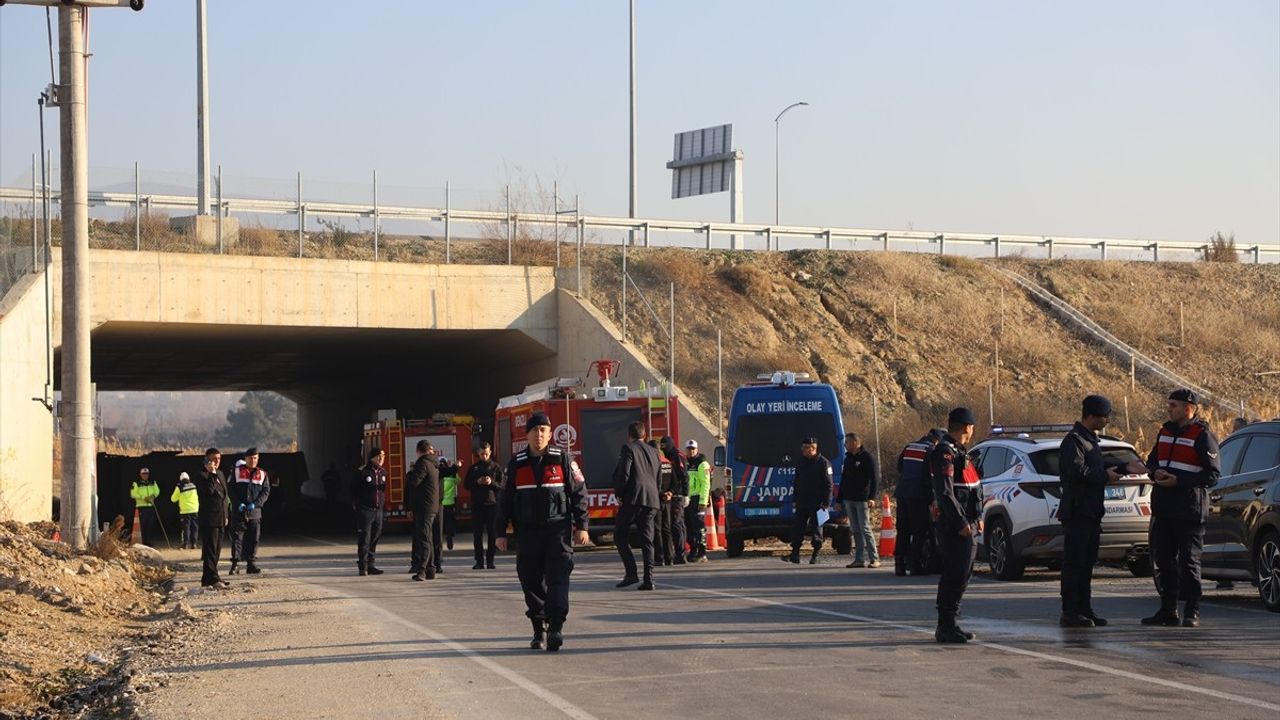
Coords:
pixel 248 488
pixel 422 485
pixel 1183 465
pixel 369 495
pixel 1084 475
pixel 635 482
pixel 545 498
pixel 665 522
pixel 211 488
pixel 914 495
pixel 811 493
pixel 484 482
pixel 686 525
pixel 956 492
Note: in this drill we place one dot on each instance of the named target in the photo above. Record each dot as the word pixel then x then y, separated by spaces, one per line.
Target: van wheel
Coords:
pixel 734 545
pixel 1266 561
pixel 842 540
pixel 1005 565
pixel 1140 566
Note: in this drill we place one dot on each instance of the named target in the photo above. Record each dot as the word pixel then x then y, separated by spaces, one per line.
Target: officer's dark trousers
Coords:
pixel 695 522
pixel 147 521
pixel 422 547
pixel 484 519
pixel 1080 537
pixel 245 535
pixel 190 529
pixel 544 559
pixel 450 519
pixel 675 520
pixel 437 538
pixel 210 553
pixel 633 518
pixel 914 528
pixel 368 532
pixel 805 524
pixel 662 534
pixel 957 555
pixel 1176 545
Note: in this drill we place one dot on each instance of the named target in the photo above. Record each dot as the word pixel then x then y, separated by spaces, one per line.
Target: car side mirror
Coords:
pixel 718 456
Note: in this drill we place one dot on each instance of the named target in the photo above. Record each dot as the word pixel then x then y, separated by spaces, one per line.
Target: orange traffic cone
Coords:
pixel 136 536
pixel 713 537
pixel 888 534
pixel 719 505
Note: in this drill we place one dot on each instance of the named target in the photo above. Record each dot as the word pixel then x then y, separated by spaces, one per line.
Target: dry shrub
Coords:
pixel 688 270
pixel 110 544
pixel 260 240
pixel 747 280
pixel 1222 249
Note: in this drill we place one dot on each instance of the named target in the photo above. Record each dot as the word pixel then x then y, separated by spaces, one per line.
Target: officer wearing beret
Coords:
pixel 1084 475
pixel 545 498
pixel 956 492
pixel 1183 465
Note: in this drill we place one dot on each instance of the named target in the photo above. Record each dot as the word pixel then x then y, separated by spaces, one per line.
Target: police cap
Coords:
pixel 537 419
pixel 1096 405
pixel 1185 395
pixel 961 416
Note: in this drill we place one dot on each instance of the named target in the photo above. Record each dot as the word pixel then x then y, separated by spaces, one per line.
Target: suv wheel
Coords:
pixel 735 543
pixel 1005 564
pixel 842 540
pixel 1140 566
pixel 1267 562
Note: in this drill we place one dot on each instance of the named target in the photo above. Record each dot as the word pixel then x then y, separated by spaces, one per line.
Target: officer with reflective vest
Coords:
pixel 914 496
pixel 144 493
pixel 699 498
pixel 248 489
pixel 545 499
pixel 188 502
pixel 1183 465
pixel 956 492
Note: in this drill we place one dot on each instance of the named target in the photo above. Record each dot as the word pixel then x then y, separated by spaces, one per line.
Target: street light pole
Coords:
pixel 632 70
pixel 777 163
pixel 202 113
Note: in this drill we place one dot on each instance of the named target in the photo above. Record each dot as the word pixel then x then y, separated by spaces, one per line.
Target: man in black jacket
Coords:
pixel 914 496
pixel 811 493
pixel 1083 474
pixel 422 485
pixel 368 495
pixel 211 488
pixel 859 480
pixel 484 482
pixel 635 482
pixel 957 493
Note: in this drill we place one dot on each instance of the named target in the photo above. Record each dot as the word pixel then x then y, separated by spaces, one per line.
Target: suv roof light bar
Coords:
pixel 1030 429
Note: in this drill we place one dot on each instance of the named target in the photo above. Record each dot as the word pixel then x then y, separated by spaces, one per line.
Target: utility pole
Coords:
pixel 631 236
pixel 76 432
pixel 202 113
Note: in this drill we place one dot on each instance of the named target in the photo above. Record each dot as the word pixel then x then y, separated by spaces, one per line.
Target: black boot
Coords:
pixel 555 635
pixel 1075 620
pixel 1167 615
pixel 1191 614
pixel 955 621
pixel 947 631
pixel 794 557
pixel 813 557
pixel 374 571
pixel 235 568
pixel 647 583
pixel 628 580
pixel 253 569
pixel 539 635
pixel 899 566
pixel 361 571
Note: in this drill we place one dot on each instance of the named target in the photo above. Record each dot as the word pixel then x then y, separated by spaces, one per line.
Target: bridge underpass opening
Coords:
pixel 339 377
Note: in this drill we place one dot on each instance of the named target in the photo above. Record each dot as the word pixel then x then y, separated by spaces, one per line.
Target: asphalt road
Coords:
pixel 757 638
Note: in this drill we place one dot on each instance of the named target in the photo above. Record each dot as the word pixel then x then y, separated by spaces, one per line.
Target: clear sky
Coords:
pixel 1146 118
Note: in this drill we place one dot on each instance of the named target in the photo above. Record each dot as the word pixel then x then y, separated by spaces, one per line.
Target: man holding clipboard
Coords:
pixel 811 496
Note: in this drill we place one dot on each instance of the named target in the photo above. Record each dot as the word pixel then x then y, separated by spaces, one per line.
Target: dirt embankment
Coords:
pixel 924 333
pixel 71 624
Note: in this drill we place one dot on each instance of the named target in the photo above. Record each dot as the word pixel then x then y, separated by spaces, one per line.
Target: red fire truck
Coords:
pixel 590 423
pixel 451 435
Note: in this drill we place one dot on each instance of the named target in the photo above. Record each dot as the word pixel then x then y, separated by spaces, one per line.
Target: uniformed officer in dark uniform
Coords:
pixel 635 482
pixel 663 543
pixel 422 485
pixel 1183 465
pixel 956 490
pixel 368 495
pixel 914 495
pixel 811 493
pixel 1084 475
pixel 545 498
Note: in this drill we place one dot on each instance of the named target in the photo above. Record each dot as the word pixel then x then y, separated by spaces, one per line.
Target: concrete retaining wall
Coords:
pixel 26 427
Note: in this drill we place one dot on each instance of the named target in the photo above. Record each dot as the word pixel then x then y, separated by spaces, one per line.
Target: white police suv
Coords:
pixel 1021 493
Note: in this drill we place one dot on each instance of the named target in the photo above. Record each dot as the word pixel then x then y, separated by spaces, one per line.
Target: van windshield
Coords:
pixel 1047 462
pixel 774 440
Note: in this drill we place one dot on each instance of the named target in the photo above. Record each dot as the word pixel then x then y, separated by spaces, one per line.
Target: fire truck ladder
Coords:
pixel 395 453
pixel 659 419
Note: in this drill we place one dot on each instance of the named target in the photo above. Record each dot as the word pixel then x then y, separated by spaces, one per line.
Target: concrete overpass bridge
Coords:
pixel 341 338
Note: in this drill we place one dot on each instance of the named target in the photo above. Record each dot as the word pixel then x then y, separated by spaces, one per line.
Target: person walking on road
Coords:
pixel 369 496
pixel 422 485
pixel 811 493
pixel 914 496
pixel 211 487
pixel 249 490
pixel 1183 465
pixel 956 489
pixel 1084 474
pixel 188 502
pixel 484 482
pixel 545 498
pixel 859 482
pixel 635 482
pixel 144 492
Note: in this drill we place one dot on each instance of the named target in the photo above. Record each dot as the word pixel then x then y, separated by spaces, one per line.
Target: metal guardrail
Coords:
pixel 642 227
pixel 1087 324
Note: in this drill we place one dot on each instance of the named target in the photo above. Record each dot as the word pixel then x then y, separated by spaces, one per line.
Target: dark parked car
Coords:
pixel 1242 536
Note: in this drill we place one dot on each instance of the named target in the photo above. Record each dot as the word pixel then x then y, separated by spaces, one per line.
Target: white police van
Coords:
pixel 1021 493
